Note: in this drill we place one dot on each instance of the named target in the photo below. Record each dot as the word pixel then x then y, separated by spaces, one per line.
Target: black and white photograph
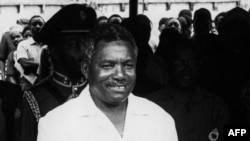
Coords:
pixel 124 70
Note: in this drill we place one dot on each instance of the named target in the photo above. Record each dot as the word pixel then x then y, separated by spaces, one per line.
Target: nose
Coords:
pixel 173 26
pixel 187 66
pixel 119 73
pixel 38 26
pixel 16 39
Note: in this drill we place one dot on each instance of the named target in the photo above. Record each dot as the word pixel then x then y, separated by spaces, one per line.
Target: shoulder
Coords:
pixel 64 113
pixel 153 116
pixel 39 86
pixel 213 100
pixel 151 108
pixel 25 42
pixel 209 95
pixel 40 98
pixel 159 95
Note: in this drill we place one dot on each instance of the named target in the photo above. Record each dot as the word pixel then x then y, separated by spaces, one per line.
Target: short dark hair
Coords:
pixel 106 33
pixel 36 16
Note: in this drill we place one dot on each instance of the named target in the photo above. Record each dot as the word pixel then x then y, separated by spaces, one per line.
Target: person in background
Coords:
pixel 6 46
pixel 217 21
pixel 12 75
pixel 198 114
pixel 235 34
pixel 106 109
pixel 209 46
pixel 28 53
pixel 64 34
pixel 162 24
pixel 174 23
pixel 140 28
pixel 102 20
pixel 115 19
pixel 26 32
pixel 185 16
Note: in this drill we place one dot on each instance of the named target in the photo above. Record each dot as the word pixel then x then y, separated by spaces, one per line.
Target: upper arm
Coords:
pixel 21 51
pixel 3 49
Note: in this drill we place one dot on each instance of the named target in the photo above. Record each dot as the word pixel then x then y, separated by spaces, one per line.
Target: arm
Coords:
pixel 2 69
pixel 29 66
pixel 24 58
pixel 3 52
pixel 11 72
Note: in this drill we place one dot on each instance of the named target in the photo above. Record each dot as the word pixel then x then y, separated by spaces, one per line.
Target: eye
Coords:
pixel 129 65
pixel 107 66
pixel 178 63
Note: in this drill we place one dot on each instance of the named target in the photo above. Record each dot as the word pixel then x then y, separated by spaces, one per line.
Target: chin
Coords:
pixel 118 101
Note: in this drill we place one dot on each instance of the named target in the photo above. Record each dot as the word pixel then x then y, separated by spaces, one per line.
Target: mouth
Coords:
pixel 118 88
pixel 187 78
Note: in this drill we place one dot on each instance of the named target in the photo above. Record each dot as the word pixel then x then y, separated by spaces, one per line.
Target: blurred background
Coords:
pixel 12 10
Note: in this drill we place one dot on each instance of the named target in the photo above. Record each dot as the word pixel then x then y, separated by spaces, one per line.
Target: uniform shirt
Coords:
pixel 30 50
pixel 195 116
pixel 80 119
pixel 42 97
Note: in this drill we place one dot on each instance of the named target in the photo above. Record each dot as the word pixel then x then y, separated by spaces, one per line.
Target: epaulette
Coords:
pixel 33 104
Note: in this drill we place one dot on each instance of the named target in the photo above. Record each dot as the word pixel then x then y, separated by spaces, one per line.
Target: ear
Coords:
pixel 85 69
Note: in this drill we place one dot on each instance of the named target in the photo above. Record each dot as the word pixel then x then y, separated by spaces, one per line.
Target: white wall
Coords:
pixel 9 14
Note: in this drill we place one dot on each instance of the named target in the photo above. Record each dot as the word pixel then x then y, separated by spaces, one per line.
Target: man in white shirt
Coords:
pixel 106 110
pixel 28 53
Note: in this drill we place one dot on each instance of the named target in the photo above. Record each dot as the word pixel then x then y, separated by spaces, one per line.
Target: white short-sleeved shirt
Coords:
pixel 79 119
pixel 31 50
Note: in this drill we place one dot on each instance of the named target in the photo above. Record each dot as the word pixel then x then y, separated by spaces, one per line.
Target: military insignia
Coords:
pixel 17 113
pixel 83 15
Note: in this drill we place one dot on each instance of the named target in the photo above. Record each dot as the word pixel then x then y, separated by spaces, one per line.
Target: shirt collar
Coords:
pixel 65 81
pixel 33 42
pixel 88 107
pixel 198 95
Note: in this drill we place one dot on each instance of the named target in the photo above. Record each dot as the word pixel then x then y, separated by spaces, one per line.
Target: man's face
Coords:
pixel 27 34
pixel 36 25
pixel 70 54
pixel 112 72
pixel 175 24
pixel 185 69
pixel 16 37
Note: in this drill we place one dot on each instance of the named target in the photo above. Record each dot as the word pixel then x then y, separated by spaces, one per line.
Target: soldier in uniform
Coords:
pixel 64 34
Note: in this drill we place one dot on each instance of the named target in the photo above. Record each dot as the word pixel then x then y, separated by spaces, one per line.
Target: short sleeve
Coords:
pixel 22 50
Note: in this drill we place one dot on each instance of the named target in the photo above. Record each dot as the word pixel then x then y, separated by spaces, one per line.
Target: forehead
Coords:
pixel 72 36
pixel 36 19
pixel 173 21
pixel 15 33
pixel 185 54
pixel 114 48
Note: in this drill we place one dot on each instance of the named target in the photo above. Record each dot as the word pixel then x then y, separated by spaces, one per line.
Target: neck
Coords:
pixel 64 79
pixel 112 109
pixel 185 92
pixel 67 74
pixel 115 113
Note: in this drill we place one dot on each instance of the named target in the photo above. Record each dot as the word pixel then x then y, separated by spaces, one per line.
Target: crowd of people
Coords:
pixel 78 76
